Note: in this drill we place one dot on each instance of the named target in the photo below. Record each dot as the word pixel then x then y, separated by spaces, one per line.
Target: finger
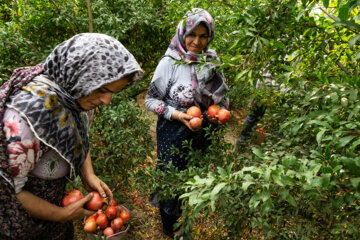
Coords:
pixel 107 190
pixel 86 198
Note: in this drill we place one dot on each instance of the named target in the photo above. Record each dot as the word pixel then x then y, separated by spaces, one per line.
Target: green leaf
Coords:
pixel 344 12
pixel 217 189
pixel 319 135
pixel 344 141
pixel 246 185
pixel 258 153
pixel 355 182
pixel 266 206
pixel 353 95
pixel 326 3
pixel 353 41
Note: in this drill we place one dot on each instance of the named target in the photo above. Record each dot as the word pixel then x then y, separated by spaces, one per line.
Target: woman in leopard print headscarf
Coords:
pixel 45 114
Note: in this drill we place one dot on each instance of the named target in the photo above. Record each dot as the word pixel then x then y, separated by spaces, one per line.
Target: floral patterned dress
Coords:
pixel 38 169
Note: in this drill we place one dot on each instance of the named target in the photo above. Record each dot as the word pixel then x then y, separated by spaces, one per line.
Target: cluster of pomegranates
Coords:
pixel 108 219
pixel 214 111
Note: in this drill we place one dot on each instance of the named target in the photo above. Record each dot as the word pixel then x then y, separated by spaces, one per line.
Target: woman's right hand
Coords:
pixel 76 210
pixel 42 209
pixel 184 118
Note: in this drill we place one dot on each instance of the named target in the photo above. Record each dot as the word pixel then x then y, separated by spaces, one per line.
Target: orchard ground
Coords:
pixel 146 223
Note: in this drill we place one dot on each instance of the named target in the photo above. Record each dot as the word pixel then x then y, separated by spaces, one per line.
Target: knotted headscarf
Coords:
pixel 208 82
pixel 74 69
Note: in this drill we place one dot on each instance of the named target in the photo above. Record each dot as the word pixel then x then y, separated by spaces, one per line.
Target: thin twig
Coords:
pixel 59 10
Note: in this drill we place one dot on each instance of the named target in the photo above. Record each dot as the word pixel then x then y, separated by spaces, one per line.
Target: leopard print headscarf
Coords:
pixel 74 69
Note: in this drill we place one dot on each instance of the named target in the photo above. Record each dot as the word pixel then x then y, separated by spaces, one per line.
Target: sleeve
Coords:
pixel 23 147
pixel 158 89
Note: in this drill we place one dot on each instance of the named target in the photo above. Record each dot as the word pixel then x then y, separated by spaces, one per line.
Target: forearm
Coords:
pixel 40 208
pixel 87 168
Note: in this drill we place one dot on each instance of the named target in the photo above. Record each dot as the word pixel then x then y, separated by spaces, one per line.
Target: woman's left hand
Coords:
pixel 214 119
pixel 94 183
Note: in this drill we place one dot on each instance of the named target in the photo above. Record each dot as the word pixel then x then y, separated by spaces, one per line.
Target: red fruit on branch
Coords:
pixel 194 111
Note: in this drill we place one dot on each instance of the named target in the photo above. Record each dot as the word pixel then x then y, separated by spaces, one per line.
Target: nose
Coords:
pixel 197 40
pixel 106 98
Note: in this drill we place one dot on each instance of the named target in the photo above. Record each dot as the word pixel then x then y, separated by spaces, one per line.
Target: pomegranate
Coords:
pixel 91 218
pixel 90 226
pixel 125 216
pixel 102 221
pixel 108 231
pixel 111 212
pixel 96 202
pixel 195 123
pixel 117 223
pixel 71 197
pixel 223 115
pixel 113 203
pixel 213 110
pixel 194 111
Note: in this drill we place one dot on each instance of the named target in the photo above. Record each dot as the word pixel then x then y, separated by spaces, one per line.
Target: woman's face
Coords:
pixel 102 95
pixel 197 40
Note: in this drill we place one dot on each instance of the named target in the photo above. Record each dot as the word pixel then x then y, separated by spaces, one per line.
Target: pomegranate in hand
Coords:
pixel 195 123
pixel 96 202
pixel 194 111
pixel 71 197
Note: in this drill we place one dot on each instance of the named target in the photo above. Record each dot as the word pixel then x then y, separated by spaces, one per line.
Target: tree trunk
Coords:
pixel 90 16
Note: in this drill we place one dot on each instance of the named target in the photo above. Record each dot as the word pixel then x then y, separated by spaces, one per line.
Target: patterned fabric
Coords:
pixel 75 68
pixel 20 78
pixel 27 155
pixel 207 81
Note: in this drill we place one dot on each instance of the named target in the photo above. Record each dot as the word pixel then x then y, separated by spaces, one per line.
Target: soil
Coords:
pixel 145 223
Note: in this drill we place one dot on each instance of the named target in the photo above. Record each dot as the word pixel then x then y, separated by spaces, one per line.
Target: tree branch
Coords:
pixel 90 16
pixel 59 10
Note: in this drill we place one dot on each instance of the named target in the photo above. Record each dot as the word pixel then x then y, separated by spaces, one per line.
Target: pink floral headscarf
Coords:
pixel 208 82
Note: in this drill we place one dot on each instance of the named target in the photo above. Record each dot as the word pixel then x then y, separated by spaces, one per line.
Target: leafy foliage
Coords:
pixel 304 181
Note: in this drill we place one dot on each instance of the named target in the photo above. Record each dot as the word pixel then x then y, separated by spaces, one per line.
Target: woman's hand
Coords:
pixel 76 209
pixel 214 119
pixel 42 209
pixel 184 118
pixel 92 182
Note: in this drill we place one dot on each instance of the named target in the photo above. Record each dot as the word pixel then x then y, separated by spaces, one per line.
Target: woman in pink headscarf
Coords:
pixel 175 88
